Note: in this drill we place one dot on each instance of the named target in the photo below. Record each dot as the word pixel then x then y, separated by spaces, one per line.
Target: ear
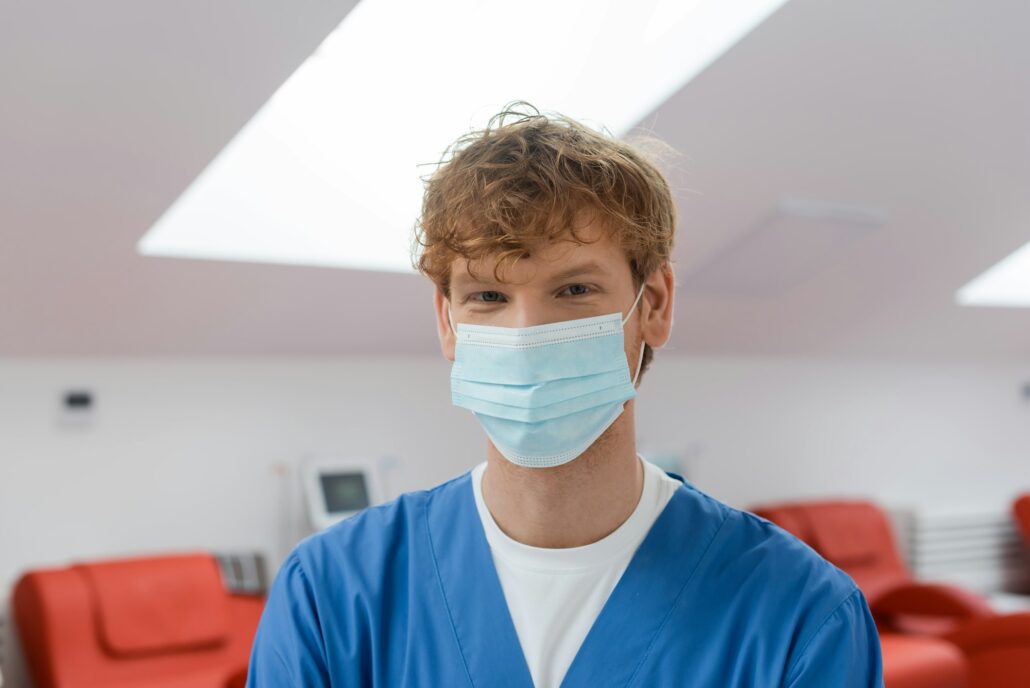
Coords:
pixel 656 313
pixel 443 325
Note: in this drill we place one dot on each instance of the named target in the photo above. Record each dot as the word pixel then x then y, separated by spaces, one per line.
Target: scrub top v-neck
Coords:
pixel 407 594
pixel 555 595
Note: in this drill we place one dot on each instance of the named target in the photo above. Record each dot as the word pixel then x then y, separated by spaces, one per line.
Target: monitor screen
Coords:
pixel 344 492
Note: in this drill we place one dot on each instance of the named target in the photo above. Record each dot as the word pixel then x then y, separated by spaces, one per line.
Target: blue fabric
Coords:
pixel 405 594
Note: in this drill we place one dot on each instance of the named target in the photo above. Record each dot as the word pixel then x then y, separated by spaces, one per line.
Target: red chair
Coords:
pixel 161 622
pixel 1021 511
pixel 911 662
pixel 856 536
pixel 908 662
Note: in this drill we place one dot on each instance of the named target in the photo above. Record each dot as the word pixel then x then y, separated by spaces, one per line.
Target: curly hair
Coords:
pixel 525 180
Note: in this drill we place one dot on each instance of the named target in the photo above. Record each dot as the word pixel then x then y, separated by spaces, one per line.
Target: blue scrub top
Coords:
pixel 406 594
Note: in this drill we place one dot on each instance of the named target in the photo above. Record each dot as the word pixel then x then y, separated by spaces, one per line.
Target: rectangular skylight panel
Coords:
pixel 328 171
pixel 1005 284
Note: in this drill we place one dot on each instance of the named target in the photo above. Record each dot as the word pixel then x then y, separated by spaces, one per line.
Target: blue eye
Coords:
pixel 488 296
pixel 577 289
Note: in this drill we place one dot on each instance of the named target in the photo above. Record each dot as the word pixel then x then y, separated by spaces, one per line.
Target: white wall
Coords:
pixel 937 436
pixel 182 452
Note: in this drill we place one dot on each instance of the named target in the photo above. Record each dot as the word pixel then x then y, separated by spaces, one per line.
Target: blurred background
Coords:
pixel 206 300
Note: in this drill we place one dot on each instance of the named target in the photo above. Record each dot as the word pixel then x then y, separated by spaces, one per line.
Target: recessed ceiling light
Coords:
pixel 329 171
pixel 1007 283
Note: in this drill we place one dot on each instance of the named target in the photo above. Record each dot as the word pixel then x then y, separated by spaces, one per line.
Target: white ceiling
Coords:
pixel 920 109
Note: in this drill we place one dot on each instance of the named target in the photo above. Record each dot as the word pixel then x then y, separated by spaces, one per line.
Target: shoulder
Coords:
pixel 812 616
pixel 771 573
pixel 746 541
pixel 365 545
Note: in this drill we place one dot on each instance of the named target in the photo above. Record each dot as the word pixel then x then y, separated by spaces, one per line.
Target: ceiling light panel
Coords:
pixel 1006 284
pixel 329 172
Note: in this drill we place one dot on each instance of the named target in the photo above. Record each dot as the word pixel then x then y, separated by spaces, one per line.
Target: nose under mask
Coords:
pixel 544 393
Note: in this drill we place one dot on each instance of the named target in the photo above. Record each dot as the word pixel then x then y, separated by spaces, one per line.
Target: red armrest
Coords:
pixel 1001 630
pixel 238 680
pixel 910 662
pixel 997 649
pixel 931 599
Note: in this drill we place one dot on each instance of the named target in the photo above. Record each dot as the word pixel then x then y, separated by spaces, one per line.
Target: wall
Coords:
pixel 937 436
pixel 184 453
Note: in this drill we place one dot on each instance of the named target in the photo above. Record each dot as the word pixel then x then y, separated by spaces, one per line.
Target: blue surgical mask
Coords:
pixel 545 393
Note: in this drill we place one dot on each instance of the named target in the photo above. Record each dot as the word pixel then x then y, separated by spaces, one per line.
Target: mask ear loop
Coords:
pixel 639 363
pixel 634 306
pixel 643 345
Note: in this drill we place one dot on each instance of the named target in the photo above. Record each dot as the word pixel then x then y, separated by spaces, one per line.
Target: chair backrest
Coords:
pixel 854 535
pixel 76 621
pixel 157 604
pixel 1021 511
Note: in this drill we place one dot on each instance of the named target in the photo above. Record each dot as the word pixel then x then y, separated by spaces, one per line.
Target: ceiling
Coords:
pixel 919 110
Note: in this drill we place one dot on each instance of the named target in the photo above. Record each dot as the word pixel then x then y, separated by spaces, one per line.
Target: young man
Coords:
pixel 565 558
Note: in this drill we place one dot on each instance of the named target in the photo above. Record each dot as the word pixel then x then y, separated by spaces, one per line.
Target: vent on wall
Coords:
pixel 792 243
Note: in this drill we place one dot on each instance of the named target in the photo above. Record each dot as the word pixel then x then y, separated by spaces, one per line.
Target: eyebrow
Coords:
pixel 463 279
pixel 590 268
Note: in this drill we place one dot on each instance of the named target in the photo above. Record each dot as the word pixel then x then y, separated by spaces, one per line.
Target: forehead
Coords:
pixel 596 253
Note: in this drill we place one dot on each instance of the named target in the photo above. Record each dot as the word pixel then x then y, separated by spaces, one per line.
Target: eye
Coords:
pixel 577 290
pixel 487 296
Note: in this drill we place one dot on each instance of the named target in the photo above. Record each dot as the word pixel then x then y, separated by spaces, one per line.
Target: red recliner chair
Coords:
pixel 1021 512
pixel 161 622
pixel 856 536
pixel 913 662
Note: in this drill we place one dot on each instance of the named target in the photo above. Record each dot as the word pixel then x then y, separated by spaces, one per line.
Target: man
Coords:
pixel 565 558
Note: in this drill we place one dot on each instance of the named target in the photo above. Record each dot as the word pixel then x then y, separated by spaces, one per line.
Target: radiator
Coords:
pixel 981 550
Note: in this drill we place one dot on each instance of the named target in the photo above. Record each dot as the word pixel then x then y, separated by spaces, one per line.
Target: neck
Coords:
pixel 573 504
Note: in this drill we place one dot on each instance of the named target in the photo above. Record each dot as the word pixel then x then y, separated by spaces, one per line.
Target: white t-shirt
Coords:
pixel 554 595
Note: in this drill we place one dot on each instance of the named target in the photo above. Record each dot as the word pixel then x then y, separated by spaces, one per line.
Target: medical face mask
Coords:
pixel 545 393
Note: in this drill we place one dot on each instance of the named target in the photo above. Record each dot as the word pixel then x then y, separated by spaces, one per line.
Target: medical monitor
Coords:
pixel 337 488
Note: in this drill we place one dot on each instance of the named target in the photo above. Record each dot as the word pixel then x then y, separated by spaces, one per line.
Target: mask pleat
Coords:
pixel 544 393
pixel 545 444
pixel 540 394
pixel 558 409
pixel 505 366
